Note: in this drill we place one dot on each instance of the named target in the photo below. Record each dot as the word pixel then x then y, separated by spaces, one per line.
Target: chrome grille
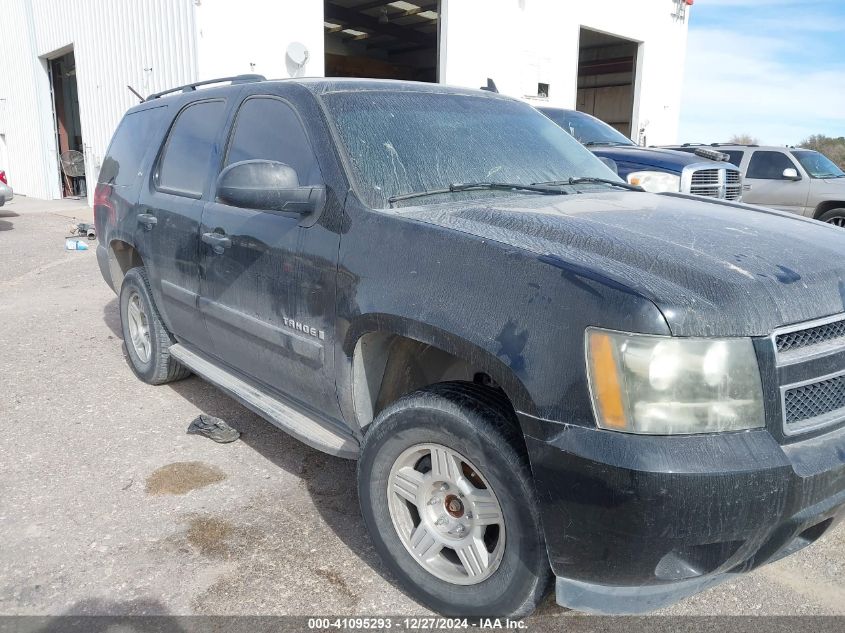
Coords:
pixel 814 401
pixel 712 180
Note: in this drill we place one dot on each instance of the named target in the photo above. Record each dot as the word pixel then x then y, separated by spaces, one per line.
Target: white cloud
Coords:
pixel 767 77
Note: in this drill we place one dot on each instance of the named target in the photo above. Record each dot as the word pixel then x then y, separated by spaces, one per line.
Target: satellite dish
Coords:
pixel 297 53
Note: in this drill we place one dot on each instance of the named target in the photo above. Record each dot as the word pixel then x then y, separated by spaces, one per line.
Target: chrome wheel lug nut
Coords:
pixel 442 520
pixel 444 487
pixel 460 529
pixel 469 515
pixel 433 501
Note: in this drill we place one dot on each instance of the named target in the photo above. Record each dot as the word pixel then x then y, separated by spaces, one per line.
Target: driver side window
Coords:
pixel 267 128
pixel 769 165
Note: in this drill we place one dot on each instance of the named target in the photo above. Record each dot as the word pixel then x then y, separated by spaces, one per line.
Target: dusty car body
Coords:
pixel 542 373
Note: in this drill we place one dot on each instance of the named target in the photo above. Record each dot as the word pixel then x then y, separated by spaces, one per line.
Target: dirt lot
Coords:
pixel 107 506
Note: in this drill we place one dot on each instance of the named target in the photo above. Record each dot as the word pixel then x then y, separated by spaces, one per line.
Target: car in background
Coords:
pixel 6 193
pixel 707 173
pixel 794 179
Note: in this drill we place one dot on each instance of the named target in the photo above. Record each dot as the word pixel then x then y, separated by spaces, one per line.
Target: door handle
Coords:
pixel 148 220
pixel 217 241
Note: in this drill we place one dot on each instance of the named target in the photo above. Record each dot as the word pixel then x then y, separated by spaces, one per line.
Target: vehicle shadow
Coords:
pixel 5 213
pixel 329 481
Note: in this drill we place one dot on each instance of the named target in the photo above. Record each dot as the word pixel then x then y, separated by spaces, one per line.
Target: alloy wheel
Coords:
pixel 446 514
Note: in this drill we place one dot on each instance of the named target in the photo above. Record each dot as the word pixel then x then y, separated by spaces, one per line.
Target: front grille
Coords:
pixel 712 182
pixel 813 397
pixel 808 402
pixel 733 185
pixel 800 339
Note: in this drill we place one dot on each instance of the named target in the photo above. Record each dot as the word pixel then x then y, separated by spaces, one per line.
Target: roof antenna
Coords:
pixel 491 86
pixel 135 92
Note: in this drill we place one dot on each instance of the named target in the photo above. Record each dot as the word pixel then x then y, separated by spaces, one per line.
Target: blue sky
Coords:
pixel 774 69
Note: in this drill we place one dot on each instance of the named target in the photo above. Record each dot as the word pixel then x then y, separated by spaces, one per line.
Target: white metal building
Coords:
pixel 66 64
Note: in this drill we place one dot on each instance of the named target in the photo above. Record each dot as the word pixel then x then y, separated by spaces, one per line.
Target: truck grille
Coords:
pixel 801 339
pixel 712 180
pixel 809 402
pixel 812 398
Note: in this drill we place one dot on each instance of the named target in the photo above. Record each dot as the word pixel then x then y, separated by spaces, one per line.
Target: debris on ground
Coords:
pixel 83 228
pixel 76 245
pixel 213 428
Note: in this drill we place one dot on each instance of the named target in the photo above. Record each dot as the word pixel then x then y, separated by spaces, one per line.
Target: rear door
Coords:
pixel 268 288
pixel 169 213
pixel 765 184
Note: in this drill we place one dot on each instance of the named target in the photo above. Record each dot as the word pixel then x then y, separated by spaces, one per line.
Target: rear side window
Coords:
pixel 184 164
pixel 133 136
pixel 735 156
pixel 267 128
pixel 768 165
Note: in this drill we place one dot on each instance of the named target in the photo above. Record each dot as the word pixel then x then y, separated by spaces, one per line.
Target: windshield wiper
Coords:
pixel 477 186
pixel 591 180
pixel 603 143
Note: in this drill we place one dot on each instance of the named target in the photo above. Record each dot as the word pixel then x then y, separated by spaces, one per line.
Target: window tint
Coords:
pixel 735 156
pixel 133 136
pixel 768 165
pixel 269 129
pixel 184 166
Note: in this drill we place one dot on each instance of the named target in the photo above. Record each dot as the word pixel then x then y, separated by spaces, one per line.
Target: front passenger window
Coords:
pixel 268 128
pixel 769 165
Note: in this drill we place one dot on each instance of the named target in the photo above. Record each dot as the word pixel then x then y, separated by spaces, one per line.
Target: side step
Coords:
pixel 283 415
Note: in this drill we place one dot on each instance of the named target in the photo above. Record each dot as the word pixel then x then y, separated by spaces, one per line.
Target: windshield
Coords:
pixel 585 128
pixel 818 165
pixel 405 142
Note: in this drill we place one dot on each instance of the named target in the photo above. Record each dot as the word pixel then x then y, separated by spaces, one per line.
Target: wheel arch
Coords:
pixel 123 256
pixel 374 341
pixel 826 206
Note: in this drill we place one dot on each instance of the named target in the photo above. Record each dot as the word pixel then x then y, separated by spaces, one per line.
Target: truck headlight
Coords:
pixel 655 181
pixel 662 385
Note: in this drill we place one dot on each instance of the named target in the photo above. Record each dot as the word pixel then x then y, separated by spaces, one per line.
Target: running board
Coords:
pixel 281 414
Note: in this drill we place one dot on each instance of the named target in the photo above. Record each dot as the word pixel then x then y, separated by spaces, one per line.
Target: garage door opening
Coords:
pixel 71 159
pixel 606 78
pixel 384 40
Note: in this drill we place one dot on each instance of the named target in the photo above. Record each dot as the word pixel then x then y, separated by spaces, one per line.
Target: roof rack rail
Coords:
pixel 237 79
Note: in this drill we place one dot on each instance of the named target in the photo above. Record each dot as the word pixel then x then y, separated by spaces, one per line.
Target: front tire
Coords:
pixel 147 340
pixel 836 217
pixel 448 499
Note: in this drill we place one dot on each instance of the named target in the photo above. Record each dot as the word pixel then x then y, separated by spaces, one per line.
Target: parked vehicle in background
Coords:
pixel 6 193
pixel 655 170
pixel 542 370
pixel 793 179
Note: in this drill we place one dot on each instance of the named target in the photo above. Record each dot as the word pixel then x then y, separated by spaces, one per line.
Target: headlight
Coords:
pixel 655 181
pixel 662 385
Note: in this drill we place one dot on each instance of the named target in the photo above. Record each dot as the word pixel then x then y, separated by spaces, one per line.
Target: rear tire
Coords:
pixel 147 340
pixel 443 474
pixel 836 217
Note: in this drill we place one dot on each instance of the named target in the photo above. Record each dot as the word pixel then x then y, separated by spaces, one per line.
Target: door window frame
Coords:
pixel 155 172
pixel 771 151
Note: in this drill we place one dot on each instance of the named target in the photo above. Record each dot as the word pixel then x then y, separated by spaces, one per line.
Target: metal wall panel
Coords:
pixel 148 44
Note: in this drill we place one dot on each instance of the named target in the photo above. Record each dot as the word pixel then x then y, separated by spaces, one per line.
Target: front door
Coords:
pixel 268 281
pixel 169 214
pixel 765 184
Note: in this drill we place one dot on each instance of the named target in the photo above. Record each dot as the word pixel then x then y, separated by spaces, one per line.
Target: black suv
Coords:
pixel 542 372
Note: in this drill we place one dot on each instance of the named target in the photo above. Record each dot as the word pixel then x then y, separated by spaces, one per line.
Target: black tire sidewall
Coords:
pixel 512 588
pixel 133 282
pixel 828 215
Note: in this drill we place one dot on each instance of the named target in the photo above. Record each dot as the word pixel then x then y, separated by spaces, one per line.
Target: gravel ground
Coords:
pixel 108 507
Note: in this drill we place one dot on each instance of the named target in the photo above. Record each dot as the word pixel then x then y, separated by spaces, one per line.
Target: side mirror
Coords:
pixel 610 164
pixel 790 173
pixel 267 185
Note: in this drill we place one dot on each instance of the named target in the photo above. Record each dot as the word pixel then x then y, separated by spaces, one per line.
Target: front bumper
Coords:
pixel 636 522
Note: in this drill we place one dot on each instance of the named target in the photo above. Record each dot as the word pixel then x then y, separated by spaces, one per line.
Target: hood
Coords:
pixel 712 268
pixel 662 159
